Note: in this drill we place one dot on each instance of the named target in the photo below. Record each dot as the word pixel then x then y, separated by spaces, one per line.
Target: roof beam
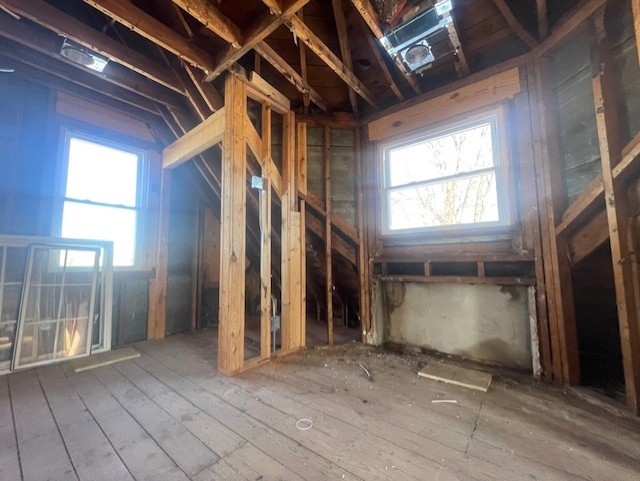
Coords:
pixel 271 56
pixel 345 51
pixel 303 67
pixel 213 19
pixel 370 16
pixel 515 25
pixel 275 6
pixel 208 91
pixel 50 17
pixel 375 48
pixel 48 44
pixel 34 60
pixel 124 12
pixel 543 19
pixel 318 47
pixel 460 59
pixel 263 27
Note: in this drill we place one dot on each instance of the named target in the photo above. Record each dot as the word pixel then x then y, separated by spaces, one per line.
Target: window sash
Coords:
pixel 500 168
pixel 67 134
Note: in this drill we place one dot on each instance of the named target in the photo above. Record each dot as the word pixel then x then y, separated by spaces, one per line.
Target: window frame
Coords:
pixel 142 185
pixel 495 115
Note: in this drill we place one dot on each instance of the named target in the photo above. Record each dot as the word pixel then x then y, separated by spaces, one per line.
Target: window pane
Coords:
pixel 81 221
pixel 462 201
pixel 460 152
pixel 101 174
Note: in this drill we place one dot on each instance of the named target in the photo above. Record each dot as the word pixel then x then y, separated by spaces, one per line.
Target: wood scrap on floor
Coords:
pixel 459 376
pixel 103 359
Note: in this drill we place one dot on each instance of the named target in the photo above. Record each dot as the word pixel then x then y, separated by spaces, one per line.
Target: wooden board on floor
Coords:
pixel 103 359
pixel 459 376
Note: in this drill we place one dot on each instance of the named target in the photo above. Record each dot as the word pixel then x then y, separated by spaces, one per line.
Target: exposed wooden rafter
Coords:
pixel 261 29
pixel 271 56
pixel 53 19
pixel 370 16
pixel 318 47
pixel 543 19
pixel 515 24
pixel 375 48
pixel 213 19
pixel 345 50
pixel 130 16
pixel 303 68
pixel 48 43
pixel 275 6
pixel 460 59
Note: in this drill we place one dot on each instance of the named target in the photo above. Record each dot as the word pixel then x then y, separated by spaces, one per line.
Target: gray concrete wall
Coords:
pixel 480 322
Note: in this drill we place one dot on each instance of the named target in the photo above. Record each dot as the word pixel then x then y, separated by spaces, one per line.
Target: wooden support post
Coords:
pixel 306 100
pixel 265 264
pixel 327 234
pixel 527 150
pixel 635 6
pixel 233 226
pixel 293 322
pixel 302 158
pixel 552 200
pixel 157 315
pixel 616 203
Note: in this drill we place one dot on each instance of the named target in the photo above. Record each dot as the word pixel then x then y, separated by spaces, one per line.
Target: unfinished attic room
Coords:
pixel 310 240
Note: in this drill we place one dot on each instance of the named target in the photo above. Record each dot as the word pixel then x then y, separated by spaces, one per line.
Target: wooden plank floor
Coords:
pixel 169 416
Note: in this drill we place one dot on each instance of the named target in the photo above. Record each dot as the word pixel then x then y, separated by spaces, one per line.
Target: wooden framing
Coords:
pixel 460 61
pixel 370 16
pixel 543 19
pixel 263 27
pixel 144 24
pixel 513 22
pixel 205 135
pixel 318 47
pixel 53 19
pixel 233 220
pixel 480 94
pixel 290 74
pixel 606 112
pixel 328 258
pixel 210 17
pixel 345 50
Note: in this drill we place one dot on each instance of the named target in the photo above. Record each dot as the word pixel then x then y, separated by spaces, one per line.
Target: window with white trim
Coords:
pixel 453 177
pixel 101 186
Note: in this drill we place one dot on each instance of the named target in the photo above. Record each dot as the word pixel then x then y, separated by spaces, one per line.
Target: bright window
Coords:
pixel 101 192
pixel 446 179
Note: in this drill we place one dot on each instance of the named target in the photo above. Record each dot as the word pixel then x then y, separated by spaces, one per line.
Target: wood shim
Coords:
pixel 480 94
pixel 459 376
pixel 103 359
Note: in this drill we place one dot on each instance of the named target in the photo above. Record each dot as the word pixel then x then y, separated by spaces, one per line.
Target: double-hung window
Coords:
pixel 101 187
pixel 447 179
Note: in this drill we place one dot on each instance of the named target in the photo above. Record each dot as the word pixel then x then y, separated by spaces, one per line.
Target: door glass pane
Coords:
pixel 56 318
pixel 13 261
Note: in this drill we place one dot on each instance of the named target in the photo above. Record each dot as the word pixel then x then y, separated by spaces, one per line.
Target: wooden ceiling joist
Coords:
pixel 515 24
pixel 370 16
pixel 460 59
pixel 213 19
pixel 318 47
pixel 345 50
pixel 375 49
pixel 281 65
pixel 53 19
pixel 209 93
pixel 130 16
pixel 263 27
pixel 275 6
pixel 48 44
pixel 543 19
pixel 80 78
pixel 288 72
